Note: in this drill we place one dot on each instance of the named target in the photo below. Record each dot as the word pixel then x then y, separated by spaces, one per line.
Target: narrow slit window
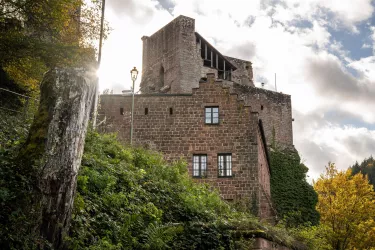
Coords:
pixel 121 111
pixel 161 78
pixel 171 111
pixel 146 111
pixel 199 165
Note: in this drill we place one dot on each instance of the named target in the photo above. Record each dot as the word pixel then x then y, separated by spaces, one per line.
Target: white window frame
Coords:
pixel 199 165
pixel 211 115
pixel 224 165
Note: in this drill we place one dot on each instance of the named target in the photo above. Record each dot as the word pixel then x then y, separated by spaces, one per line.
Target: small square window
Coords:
pixel 224 165
pixel 212 115
pixel 199 165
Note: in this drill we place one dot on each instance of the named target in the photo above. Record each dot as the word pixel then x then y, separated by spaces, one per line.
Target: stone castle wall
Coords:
pixel 275 110
pixel 244 72
pixel 172 61
pixel 174 125
pixel 266 208
pixel 170 58
pixel 172 64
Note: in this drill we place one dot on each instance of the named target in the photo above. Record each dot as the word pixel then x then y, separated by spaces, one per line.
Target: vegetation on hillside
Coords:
pixel 347 207
pixel 293 197
pixel 132 199
pixel 366 167
pixel 127 199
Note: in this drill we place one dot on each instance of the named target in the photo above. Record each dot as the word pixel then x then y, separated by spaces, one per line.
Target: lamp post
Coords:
pixel 134 74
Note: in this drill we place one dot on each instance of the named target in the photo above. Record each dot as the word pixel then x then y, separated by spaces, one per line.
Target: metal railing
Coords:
pixel 26 102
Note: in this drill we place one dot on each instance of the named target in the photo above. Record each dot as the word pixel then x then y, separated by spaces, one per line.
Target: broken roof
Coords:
pixel 216 51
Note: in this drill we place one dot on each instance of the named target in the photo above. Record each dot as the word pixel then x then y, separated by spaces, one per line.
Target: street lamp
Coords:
pixel 134 74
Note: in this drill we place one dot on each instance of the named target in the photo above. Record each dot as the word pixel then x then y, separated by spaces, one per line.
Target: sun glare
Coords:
pixel 105 81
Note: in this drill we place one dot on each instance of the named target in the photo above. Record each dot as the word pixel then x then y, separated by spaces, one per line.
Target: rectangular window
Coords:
pixel 199 165
pixel 212 115
pixel 224 165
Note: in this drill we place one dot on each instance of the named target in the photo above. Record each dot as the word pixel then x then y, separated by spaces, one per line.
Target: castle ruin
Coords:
pixel 201 106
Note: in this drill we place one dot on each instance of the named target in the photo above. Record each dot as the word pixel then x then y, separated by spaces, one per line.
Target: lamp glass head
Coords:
pixel 134 73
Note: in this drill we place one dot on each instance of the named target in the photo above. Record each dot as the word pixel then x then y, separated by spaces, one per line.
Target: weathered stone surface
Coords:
pixel 183 133
pixel 244 72
pixel 172 63
pixel 275 110
pixel 172 56
pixel 55 145
pixel 167 58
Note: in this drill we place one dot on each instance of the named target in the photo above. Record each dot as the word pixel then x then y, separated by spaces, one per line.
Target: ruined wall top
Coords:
pixel 244 72
pixel 184 22
pixel 170 63
pixel 176 57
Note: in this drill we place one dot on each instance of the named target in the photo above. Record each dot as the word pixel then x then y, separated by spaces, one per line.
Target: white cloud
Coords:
pixel 123 48
pixel 340 12
pixel 326 142
pixel 338 48
pixel 290 38
pixel 236 10
pixel 373 39
pixel 366 46
pixel 366 66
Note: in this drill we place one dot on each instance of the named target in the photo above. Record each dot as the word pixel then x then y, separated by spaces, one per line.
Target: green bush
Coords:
pixel 16 186
pixel 130 198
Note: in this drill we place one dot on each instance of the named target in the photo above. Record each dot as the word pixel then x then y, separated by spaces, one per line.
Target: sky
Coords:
pixel 322 51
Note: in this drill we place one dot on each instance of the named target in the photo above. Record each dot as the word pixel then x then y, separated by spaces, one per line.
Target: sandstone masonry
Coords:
pixel 176 58
pixel 175 125
pixel 201 106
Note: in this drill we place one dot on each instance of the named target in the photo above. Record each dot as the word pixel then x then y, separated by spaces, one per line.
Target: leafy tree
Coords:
pixel 367 167
pixel 314 237
pixel 40 34
pixel 294 198
pixel 347 207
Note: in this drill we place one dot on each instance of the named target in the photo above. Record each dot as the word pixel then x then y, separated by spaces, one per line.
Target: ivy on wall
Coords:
pixel 294 198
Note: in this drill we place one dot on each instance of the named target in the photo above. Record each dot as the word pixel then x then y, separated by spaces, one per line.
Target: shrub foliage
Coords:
pixel 128 198
pixel 132 199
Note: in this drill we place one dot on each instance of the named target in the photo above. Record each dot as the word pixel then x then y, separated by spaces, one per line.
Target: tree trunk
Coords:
pixel 55 146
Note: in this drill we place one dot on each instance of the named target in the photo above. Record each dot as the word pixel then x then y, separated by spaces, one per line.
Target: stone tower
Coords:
pixel 176 57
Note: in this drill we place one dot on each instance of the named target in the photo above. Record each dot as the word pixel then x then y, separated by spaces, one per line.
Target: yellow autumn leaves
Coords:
pixel 346 204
